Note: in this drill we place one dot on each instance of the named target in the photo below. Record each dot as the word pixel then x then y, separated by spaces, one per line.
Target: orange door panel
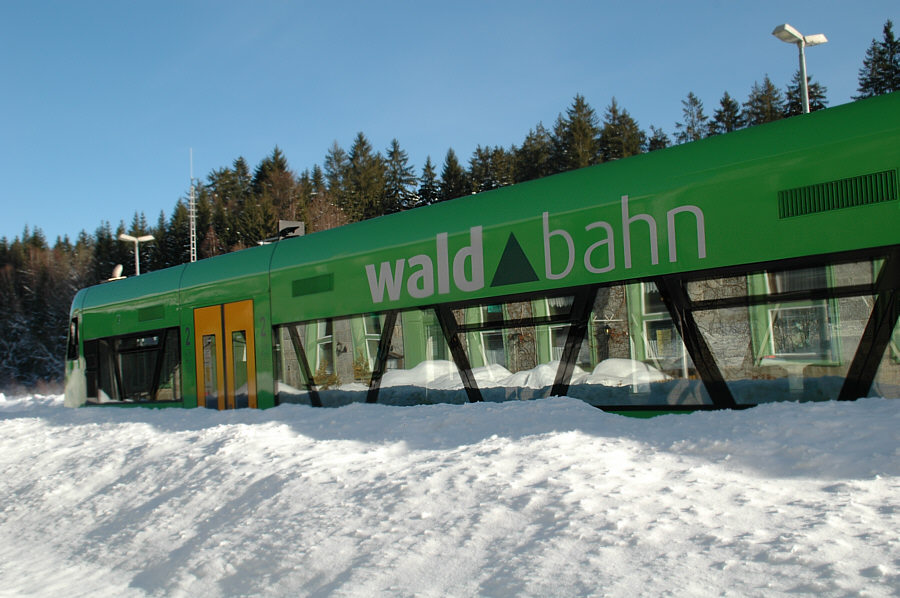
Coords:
pixel 240 355
pixel 226 357
pixel 208 347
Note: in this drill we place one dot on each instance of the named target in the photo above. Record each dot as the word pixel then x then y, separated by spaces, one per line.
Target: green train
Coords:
pixel 762 265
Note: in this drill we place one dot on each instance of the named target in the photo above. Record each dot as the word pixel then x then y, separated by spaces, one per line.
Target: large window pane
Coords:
pixel 169 384
pixel 322 356
pixel 420 369
pixel 633 354
pixel 341 356
pixel 887 380
pixel 785 351
pixel 140 367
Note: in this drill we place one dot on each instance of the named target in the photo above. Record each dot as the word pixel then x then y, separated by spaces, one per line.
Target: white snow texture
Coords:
pixel 527 498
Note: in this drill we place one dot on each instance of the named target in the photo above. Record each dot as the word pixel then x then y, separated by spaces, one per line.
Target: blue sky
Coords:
pixel 102 102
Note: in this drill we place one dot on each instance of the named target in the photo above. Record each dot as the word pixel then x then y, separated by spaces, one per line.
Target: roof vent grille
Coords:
pixel 836 195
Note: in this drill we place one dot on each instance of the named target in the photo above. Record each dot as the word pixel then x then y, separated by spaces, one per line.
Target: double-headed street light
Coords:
pixel 137 241
pixel 788 34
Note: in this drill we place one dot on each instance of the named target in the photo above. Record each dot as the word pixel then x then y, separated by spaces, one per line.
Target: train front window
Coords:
pixel 72 344
pixel 134 368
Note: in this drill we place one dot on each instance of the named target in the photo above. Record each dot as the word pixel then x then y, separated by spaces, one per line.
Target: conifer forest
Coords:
pixel 239 205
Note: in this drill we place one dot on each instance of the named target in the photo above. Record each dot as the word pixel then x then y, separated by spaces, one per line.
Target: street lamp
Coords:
pixel 136 241
pixel 789 35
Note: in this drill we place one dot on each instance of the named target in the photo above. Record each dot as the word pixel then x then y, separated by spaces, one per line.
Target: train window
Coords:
pixel 799 332
pixel 633 354
pixel 652 300
pixel 417 366
pixel 372 326
pixel 72 340
pixel 210 372
pixel 325 348
pixel 803 279
pixel 887 378
pixel 135 368
pixel 239 368
pixel 316 362
pixel 770 335
pixel 768 349
pixel 724 287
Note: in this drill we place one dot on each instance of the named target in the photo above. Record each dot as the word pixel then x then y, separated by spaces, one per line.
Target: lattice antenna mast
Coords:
pixel 192 211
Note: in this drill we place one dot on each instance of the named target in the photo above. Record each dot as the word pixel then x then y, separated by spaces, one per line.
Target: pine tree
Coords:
pixel 161 258
pixel 267 168
pixel 83 253
pixel 365 181
pixel 489 168
pixel 305 191
pixel 147 250
pixel 793 104
pixel 454 182
pixel 210 244
pixel 317 180
pixel 620 135
pixel 658 139
pixel 257 221
pixel 323 213
pixel 176 239
pixel 764 105
pixel 534 159
pixel 336 166
pixel 107 254
pixel 727 117
pixel 229 190
pixel 400 180
pixel 13 328
pixel 429 190
pixel 274 179
pixel 880 72
pixel 696 124
pixel 576 137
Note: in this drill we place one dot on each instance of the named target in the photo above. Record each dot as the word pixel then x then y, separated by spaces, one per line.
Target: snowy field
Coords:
pixel 536 498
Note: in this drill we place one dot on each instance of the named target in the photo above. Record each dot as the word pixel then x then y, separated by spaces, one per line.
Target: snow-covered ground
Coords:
pixel 532 498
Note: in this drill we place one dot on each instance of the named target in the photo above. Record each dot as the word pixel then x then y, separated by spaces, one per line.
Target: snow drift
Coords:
pixel 536 498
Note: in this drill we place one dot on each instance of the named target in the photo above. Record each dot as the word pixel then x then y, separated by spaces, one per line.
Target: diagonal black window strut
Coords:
pixel 384 347
pixel 449 328
pixel 877 335
pixel 580 318
pixel 679 305
pixel 314 399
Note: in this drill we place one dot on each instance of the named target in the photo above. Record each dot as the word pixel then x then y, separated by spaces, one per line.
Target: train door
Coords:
pixel 226 358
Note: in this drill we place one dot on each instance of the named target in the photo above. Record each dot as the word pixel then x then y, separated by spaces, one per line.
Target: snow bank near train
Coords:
pixel 534 498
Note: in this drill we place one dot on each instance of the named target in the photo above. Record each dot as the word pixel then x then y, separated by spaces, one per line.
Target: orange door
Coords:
pixel 226 358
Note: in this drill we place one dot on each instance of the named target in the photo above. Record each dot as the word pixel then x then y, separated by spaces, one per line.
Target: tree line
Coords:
pixel 237 207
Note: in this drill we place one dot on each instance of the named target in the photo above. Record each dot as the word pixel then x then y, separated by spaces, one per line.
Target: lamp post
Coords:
pixel 137 256
pixel 789 35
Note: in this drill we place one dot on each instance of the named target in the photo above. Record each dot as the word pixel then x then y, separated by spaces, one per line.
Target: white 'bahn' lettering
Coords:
pixel 610 249
pixel 570 244
pixel 626 233
pixel 609 241
pixel 701 230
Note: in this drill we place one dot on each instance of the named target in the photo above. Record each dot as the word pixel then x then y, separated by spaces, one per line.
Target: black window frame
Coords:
pixel 105 352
